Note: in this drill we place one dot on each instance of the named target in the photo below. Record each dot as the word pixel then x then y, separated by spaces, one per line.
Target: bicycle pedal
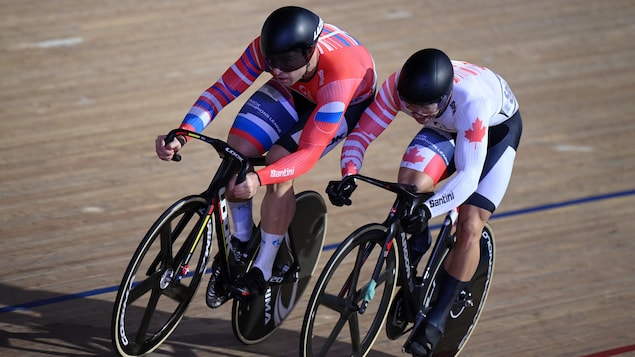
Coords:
pixel 405 348
pixel 464 299
pixel 418 322
pixel 285 274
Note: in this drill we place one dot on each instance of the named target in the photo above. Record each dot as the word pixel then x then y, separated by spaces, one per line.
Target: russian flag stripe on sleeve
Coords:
pixel 328 117
pixel 330 112
pixel 194 122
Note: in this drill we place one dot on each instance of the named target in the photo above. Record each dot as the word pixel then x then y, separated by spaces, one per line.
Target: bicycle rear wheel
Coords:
pixel 467 309
pixel 332 325
pixel 156 287
pixel 255 320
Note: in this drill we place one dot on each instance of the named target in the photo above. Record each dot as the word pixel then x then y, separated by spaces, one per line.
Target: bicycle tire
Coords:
pixel 255 320
pixel 333 303
pixel 463 318
pixel 147 311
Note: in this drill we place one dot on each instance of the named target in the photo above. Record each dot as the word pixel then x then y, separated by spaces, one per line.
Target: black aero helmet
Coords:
pixel 426 77
pixel 288 37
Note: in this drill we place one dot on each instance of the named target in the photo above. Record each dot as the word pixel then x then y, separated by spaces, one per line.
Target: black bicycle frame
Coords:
pixel 406 201
pixel 232 163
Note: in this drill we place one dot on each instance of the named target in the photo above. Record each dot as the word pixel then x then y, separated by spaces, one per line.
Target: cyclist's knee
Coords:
pixel 276 153
pixel 470 223
pixel 280 189
pixel 243 146
pixel 468 233
pixel 423 182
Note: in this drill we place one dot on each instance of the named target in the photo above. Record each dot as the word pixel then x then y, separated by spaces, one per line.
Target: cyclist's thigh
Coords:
pixel 267 115
pixel 430 152
pixel 497 171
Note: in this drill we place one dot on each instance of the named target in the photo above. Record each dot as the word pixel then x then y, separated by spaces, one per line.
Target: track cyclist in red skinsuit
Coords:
pixel 471 128
pixel 323 79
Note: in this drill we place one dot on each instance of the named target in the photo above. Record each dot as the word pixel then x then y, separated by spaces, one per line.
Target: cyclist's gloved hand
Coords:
pixel 416 222
pixel 340 191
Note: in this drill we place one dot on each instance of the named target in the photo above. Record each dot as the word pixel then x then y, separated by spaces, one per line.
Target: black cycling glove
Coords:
pixel 340 191
pixel 416 222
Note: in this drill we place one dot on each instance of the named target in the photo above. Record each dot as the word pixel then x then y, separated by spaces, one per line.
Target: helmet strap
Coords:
pixel 306 70
pixel 446 103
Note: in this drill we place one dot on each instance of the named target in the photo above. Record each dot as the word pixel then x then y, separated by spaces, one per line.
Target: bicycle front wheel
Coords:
pixel 332 323
pixel 157 286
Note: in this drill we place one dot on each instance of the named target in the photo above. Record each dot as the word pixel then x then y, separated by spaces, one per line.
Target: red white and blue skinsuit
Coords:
pixel 306 118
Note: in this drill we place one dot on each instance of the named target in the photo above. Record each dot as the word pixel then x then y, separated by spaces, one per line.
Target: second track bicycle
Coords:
pixel 356 291
pixel 170 261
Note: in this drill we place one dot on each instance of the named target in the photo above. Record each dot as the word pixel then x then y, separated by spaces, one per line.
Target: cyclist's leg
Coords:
pixel 269 113
pixel 281 114
pixel 276 212
pixel 478 208
pixel 459 265
pixel 462 261
pixel 426 161
pixel 278 205
pixel 266 115
pixel 437 149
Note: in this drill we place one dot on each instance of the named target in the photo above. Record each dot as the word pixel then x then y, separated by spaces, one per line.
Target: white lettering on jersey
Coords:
pixel 283 173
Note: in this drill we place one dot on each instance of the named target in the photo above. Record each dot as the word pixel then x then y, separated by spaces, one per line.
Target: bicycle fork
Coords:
pixel 179 267
pixel 387 246
pixel 205 227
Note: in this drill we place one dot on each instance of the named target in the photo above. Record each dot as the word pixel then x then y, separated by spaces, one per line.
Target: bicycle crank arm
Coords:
pixel 370 294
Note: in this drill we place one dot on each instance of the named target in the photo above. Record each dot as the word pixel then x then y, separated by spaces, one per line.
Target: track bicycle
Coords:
pixel 170 261
pixel 355 293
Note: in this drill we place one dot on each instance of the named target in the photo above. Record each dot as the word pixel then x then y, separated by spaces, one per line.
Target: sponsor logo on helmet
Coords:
pixel 318 30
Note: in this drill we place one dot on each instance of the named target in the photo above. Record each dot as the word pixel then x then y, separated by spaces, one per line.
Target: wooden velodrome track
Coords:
pixel 87 85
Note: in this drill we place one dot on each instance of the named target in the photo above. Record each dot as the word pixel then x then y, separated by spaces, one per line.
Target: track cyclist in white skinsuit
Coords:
pixel 470 134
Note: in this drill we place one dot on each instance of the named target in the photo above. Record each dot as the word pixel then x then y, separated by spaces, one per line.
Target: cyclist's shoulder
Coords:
pixel 334 41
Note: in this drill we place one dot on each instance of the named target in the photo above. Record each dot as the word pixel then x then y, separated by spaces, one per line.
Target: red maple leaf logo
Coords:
pixel 413 156
pixel 350 168
pixel 476 134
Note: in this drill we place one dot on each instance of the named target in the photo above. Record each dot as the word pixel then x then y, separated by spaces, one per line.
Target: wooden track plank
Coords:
pixel 86 87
